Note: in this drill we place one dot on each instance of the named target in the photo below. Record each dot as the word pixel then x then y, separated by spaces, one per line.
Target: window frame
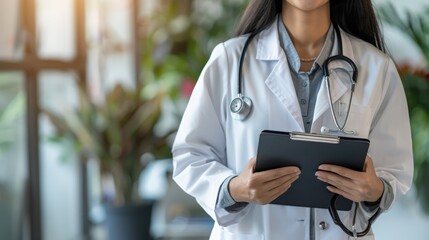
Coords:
pixel 31 65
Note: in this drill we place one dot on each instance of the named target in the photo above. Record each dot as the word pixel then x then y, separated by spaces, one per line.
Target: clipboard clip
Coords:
pixel 313 137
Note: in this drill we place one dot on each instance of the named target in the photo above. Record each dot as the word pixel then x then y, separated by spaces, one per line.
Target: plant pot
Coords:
pixel 130 221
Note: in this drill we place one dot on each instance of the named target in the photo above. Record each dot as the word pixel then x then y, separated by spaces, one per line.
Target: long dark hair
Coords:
pixel 356 17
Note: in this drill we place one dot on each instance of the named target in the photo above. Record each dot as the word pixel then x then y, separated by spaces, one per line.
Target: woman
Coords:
pixel 214 151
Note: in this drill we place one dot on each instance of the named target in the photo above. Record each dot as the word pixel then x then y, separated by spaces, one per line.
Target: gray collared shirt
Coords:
pixel 306 84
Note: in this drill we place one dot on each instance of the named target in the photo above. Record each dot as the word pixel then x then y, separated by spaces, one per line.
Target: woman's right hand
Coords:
pixel 261 187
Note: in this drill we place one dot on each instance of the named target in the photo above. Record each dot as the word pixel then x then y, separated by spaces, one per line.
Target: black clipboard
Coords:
pixel 307 151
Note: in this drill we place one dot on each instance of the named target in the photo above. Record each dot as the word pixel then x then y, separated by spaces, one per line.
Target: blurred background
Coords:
pixel 92 92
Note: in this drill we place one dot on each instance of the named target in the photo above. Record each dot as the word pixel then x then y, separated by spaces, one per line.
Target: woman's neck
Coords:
pixel 307 29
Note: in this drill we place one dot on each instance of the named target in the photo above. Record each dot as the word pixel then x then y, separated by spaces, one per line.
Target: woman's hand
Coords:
pixel 261 187
pixel 354 185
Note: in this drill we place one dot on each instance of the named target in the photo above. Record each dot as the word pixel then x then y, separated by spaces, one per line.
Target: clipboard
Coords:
pixel 307 151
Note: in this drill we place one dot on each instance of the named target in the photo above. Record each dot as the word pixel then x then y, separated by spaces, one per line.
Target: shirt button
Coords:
pixel 304 84
pixel 303 101
pixel 323 225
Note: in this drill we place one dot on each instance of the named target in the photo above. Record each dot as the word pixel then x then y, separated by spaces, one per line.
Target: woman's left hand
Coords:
pixel 354 185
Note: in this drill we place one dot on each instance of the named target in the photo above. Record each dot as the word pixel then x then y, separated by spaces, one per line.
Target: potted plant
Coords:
pixel 117 132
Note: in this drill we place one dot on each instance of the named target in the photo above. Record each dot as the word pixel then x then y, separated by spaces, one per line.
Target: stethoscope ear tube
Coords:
pixel 327 130
pixel 334 116
pixel 341 57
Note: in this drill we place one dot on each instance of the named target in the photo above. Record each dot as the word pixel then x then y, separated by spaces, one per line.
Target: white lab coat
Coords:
pixel 211 145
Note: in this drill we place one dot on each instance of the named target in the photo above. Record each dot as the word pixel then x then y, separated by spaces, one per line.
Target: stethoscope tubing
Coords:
pixel 353 80
pixel 334 116
pixel 240 67
pixel 245 110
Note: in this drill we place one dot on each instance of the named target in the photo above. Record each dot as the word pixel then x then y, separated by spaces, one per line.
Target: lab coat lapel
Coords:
pixel 281 85
pixel 279 80
pixel 337 87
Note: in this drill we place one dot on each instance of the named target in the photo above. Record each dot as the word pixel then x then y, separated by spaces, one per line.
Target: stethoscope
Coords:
pixel 241 106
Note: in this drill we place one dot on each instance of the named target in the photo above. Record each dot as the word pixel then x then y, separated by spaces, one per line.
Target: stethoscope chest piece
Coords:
pixel 240 107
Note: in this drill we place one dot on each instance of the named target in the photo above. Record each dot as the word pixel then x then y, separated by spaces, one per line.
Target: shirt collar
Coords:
pixel 292 55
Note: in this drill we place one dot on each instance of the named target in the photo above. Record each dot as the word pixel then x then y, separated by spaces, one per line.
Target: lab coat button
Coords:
pixel 323 225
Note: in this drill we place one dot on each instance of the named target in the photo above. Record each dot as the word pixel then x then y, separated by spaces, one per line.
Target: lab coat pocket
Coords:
pixel 367 237
pixel 359 120
pixel 227 235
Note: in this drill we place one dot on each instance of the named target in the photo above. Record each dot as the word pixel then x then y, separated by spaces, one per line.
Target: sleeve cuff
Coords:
pixel 225 200
pixel 384 202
